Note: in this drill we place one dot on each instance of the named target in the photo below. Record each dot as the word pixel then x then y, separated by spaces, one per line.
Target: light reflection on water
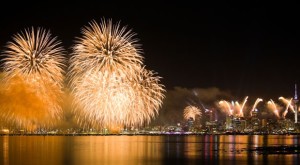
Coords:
pixel 115 150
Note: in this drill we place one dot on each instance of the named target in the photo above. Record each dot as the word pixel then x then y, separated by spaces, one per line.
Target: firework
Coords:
pixel 243 105
pixel 240 108
pixel 274 107
pixel 288 103
pixel 111 88
pixel 107 48
pixel 149 96
pixel 33 77
pixel 255 105
pixel 191 112
pixel 225 106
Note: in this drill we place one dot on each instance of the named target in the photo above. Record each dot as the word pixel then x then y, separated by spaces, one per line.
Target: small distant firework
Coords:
pixel 243 105
pixel 225 106
pixel 255 105
pixel 271 105
pixel 288 103
pixel 191 112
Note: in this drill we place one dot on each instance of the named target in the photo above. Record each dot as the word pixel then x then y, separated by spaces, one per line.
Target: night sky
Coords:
pixel 247 51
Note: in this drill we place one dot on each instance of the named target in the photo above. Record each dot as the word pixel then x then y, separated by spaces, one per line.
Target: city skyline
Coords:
pixel 246 51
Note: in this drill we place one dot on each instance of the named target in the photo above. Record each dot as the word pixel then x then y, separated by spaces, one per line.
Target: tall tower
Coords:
pixel 295 102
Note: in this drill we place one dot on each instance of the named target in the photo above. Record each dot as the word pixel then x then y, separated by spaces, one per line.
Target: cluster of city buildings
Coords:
pixel 234 124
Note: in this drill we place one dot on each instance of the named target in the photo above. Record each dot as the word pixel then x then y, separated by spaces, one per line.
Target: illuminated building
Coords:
pixel 295 103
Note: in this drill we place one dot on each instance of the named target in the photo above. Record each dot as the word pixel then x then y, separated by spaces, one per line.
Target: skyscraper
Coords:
pixel 295 104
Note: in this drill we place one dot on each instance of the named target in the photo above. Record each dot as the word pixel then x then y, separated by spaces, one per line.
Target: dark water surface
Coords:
pixel 148 150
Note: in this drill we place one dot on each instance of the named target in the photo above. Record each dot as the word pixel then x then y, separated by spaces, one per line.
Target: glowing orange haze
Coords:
pixel 22 106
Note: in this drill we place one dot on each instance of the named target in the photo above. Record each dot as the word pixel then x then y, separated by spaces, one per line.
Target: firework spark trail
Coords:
pixel 288 104
pixel 225 105
pixel 110 85
pixel 243 105
pixel 33 80
pixel 241 108
pixel 271 105
pixel 255 104
pixel 191 112
pixel 238 107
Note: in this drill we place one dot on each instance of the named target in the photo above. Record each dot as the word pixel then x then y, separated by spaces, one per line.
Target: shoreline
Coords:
pixel 136 134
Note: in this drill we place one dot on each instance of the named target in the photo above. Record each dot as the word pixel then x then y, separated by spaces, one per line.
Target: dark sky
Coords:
pixel 248 51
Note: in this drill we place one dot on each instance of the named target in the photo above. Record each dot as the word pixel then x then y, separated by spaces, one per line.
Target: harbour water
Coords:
pixel 141 149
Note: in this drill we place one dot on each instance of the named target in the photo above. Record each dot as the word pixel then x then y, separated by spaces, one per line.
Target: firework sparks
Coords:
pixel 33 77
pixel 255 105
pixel 243 105
pixel 288 103
pixel 110 86
pixel 225 105
pixel 106 47
pixel 191 112
pixel 241 108
pixel 149 93
pixel 271 105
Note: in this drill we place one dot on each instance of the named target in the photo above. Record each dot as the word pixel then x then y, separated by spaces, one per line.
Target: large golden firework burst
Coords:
pixel 110 85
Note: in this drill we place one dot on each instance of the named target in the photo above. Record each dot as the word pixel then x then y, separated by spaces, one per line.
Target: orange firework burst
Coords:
pixel 33 80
